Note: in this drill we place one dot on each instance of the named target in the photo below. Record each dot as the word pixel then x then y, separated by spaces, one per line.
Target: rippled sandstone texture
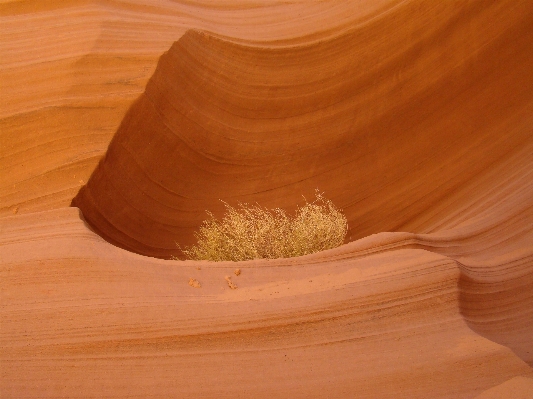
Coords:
pixel 414 117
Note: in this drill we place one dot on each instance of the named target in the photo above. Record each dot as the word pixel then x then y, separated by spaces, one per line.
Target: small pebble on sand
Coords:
pixel 194 283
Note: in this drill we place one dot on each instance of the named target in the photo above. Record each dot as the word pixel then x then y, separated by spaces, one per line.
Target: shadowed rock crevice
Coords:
pixel 500 310
pixel 388 119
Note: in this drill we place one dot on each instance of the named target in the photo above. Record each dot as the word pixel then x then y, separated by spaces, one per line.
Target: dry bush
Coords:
pixel 253 232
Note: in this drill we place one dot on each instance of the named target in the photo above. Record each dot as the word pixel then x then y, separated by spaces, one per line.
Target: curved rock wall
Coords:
pixel 414 116
pixel 389 119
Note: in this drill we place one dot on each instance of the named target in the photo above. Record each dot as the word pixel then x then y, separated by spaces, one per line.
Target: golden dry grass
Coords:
pixel 253 232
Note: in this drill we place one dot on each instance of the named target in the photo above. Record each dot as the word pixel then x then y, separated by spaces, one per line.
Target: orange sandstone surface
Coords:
pixel 122 122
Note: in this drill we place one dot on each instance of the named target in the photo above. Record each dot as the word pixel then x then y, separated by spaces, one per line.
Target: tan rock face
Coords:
pixel 415 117
pixel 388 119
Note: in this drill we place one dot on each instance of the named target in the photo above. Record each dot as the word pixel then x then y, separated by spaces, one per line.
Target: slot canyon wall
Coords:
pixel 122 122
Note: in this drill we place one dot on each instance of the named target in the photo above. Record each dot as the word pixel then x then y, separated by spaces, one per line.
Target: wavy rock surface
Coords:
pixel 415 117
pixel 374 318
pixel 68 81
pixel 389 129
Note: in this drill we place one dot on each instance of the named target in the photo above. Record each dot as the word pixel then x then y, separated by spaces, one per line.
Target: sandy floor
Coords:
pixel 121 122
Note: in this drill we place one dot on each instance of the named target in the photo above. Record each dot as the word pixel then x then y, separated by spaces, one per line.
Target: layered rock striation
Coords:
pixel 392 119
pixel 415 117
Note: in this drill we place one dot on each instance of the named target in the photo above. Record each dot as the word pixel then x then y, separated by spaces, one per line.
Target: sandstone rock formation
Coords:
pixel 415 117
